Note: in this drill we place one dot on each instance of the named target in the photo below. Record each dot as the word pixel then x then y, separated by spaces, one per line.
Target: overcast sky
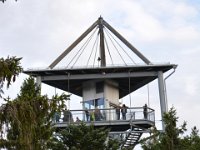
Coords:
pixel 164 31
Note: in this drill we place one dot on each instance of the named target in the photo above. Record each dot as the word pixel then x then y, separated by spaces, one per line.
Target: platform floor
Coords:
pixel 113 125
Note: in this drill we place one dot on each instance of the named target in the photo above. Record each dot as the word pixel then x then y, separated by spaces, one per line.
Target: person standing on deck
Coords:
pixel 97 114
pixel 145 111
pixel 118 112
pixel 67 116
pixel 124 111
pixel 87 114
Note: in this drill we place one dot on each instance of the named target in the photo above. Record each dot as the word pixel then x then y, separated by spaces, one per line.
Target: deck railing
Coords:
pixel 97 115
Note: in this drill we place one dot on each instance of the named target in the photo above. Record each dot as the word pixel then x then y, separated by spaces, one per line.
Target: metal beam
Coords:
pixel 129 45
pixel 55 62
pixel 99 76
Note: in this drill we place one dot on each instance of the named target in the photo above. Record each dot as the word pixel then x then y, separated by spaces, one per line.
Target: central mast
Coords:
pixel 102 47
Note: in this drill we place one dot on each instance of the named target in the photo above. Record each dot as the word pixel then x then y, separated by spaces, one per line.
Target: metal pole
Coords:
pixel 162 96
pixel 102 47
pixel 68 74
pixel 129 87
pixel 38 83
pixel 166 87
pixel 148 95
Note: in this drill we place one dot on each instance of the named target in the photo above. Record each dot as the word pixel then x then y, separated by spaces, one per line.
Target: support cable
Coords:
pixel 120 46
pixel 82 47
pixel 96 49
pixel 116 48
pixel 165 88
pixel 92 49
pixel 129 87
pixel 148 95
pixel 68 75
pixel 108 50
pixel 82 50
pixel 89 39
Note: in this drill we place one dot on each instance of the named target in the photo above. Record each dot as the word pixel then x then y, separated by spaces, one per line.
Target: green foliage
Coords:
pixel 29 89
pixel 191 142
pixel 172 138
pixel 27 121
pixel 84 137
pixel 9 69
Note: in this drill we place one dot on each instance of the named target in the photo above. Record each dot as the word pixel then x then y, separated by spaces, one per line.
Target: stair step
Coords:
pixel 133 137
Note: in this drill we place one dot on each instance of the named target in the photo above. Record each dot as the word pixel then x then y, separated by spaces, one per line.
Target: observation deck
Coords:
pixel 108 118
pixel 100 82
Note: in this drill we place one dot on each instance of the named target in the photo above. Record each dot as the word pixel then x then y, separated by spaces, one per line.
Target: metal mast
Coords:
pixel 101 24
pixel 102 46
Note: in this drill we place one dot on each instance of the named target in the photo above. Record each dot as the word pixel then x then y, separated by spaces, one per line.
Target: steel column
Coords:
pixel 162 96
pixel 102 47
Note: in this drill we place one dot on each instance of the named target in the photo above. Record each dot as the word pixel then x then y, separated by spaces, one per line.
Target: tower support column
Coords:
pixel 162 96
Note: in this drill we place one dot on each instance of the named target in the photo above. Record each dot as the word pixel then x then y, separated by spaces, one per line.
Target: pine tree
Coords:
pixel 170 138
pixel 9 70
pixel 84 137
pixel 191 142
pixel 26 121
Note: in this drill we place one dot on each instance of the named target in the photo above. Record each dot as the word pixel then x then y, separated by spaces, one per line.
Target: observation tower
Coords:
pixel 101 68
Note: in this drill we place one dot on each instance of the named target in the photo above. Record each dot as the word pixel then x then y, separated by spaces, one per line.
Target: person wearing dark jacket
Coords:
pixel 124 111
pixel 118 112
pixel 145 111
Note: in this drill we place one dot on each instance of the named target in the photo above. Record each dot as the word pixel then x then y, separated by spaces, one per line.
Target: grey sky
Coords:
pixel 164 31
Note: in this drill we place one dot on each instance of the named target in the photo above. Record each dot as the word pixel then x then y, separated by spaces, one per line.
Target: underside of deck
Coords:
pixel 114 125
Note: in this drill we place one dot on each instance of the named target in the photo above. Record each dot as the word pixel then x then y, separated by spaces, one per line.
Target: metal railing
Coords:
pixel 98 115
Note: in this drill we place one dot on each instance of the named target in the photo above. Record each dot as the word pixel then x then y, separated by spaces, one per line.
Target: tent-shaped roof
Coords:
pixel 128 77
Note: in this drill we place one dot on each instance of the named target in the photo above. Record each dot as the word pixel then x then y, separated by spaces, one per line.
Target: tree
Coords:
pixel 9 69
pixel 5 0
pixel 26 121
pixel 84 137
pixel 172 138
pixel 191 142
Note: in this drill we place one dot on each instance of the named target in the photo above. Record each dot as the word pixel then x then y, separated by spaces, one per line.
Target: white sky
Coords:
pixel 164 31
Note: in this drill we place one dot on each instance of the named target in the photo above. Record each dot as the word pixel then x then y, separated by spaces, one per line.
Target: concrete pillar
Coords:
pixel 161 87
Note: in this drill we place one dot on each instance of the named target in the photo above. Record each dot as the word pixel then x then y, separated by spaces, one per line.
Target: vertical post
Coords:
pixel 129 88
pixel 38 83
pixel 68 75
pixel 102 47
pixel 162 96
